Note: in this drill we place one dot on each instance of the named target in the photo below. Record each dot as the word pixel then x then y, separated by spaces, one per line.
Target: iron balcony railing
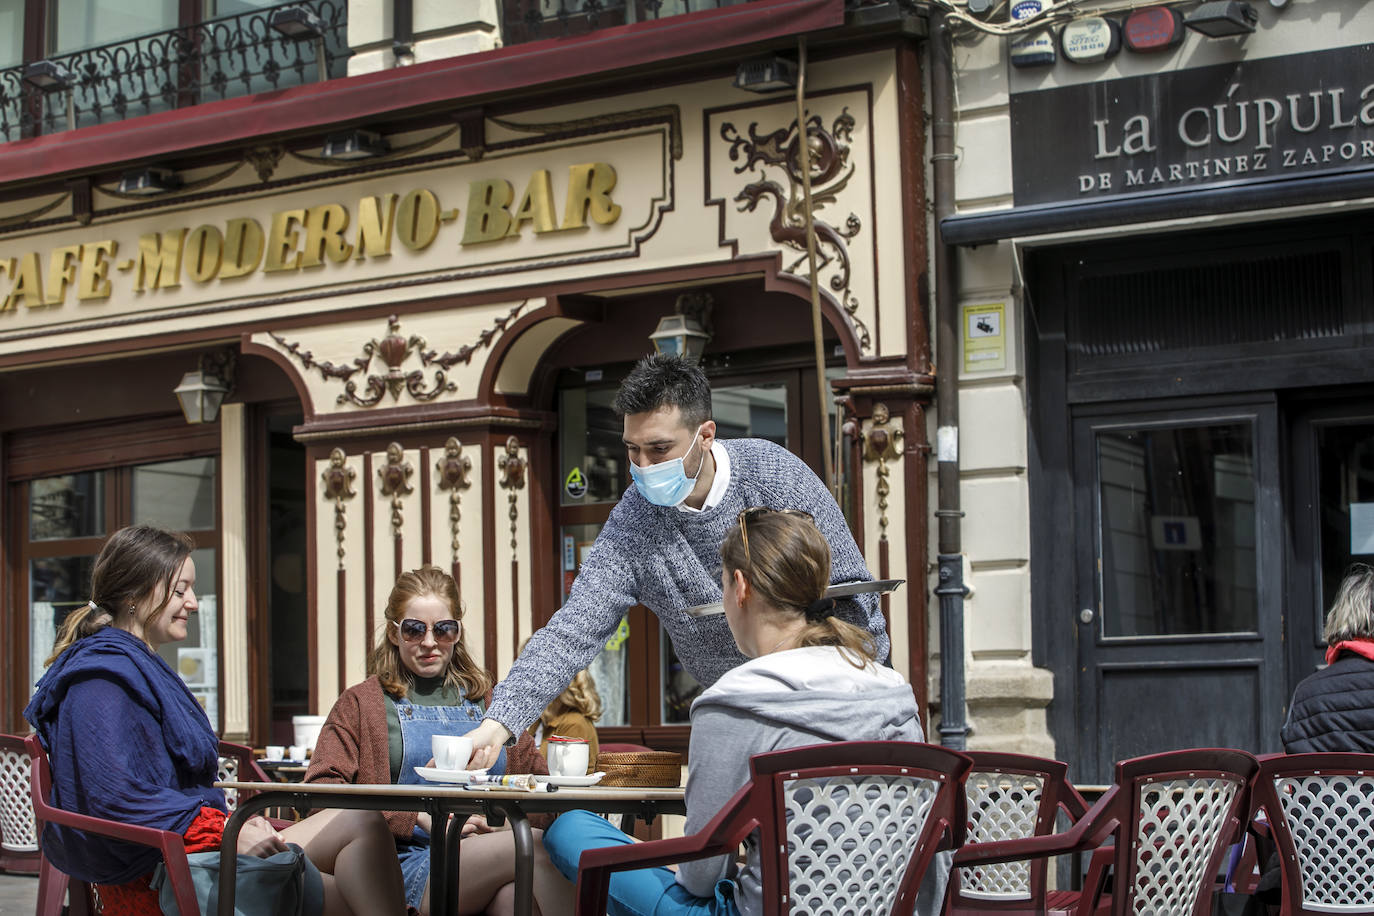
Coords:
pixel 221 58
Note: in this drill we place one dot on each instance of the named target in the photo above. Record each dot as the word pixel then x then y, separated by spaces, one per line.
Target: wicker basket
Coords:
pixel 652 769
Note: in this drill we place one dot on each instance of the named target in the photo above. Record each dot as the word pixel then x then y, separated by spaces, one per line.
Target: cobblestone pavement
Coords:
pixel 18 894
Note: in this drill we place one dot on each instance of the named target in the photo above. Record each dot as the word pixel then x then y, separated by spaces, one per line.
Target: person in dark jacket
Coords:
pixel 1333 709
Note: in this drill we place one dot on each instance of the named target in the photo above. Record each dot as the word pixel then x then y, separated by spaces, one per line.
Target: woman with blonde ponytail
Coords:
pixel 128 742
pixel 810 678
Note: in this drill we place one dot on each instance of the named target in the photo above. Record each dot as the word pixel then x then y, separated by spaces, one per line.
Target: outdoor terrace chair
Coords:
pixel 1171 818
pixel 236 761
pixel 1011 796
pixel 844 828
pixel 1320 811
pixel 18 833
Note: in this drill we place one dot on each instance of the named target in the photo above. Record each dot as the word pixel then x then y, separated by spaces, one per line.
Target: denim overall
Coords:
pixel 419 724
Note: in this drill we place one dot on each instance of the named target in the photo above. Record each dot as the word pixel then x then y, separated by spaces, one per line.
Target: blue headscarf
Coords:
pixel 128 742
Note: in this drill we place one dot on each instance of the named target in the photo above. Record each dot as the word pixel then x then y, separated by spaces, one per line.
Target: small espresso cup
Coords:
pixel 297 752
pixel 451 752
pixel 275 752
pixel 568 756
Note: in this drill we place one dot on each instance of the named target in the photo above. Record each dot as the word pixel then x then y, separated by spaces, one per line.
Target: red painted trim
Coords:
pixel 470 78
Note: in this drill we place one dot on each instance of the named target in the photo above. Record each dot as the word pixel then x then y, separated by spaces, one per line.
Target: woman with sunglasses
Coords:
pixel 422 682
pixel 811 678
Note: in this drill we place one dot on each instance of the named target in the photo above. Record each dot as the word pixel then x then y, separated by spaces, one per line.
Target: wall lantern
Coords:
pixel 1154 28
pixel 1087 41
pixel 355 144
pixel 1223 19
pixel 202 392
pixel 298 23
pixel 48 75
pixel 687 331
pixel 766 74
pixel 148 182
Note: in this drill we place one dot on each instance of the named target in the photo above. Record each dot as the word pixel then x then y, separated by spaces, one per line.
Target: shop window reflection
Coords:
pixel 69 506
pixel 1177 530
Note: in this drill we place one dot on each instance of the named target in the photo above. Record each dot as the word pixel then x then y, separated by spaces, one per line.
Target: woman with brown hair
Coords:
pixel 128 742
pixel 422 682
pixel 810 678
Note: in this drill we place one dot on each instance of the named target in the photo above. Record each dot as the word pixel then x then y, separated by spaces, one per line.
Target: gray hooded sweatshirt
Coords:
pixel 782 700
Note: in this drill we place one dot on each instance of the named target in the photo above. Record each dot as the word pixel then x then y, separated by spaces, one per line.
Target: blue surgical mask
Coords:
pixel 666 483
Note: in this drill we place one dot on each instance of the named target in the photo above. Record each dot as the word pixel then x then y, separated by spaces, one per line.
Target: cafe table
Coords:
pixel 440 800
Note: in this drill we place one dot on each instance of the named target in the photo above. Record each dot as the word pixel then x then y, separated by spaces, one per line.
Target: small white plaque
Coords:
pixel 1361 529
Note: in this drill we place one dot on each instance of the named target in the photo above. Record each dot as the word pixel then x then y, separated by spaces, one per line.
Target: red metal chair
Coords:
pixel 1011 796
pixel 1320 811
pixel 18 832
pixel 236 761
pixel 875 811
pixel 1171 818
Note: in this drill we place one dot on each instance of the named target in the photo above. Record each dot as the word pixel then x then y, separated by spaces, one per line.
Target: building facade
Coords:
pixel 1165 248
pixel 420 245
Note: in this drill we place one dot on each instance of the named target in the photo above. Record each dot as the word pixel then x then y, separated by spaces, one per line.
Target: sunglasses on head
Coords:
pixel 413 630
pixel 754 512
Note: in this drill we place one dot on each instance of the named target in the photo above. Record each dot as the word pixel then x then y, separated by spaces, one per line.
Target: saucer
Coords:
pixel 571 782
pixel 455 777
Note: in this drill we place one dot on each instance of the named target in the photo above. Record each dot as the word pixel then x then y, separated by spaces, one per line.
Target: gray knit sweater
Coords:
pixel 669 561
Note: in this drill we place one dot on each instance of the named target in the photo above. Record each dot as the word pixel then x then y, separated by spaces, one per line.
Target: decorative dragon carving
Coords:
pixel 831 171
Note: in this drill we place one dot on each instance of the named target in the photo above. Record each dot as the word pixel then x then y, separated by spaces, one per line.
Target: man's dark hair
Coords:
pixel 659 380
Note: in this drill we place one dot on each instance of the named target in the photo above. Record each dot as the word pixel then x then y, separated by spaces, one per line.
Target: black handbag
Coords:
pixel 286 883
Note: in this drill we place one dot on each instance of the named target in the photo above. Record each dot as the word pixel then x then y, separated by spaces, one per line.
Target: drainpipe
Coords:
pixel 951 589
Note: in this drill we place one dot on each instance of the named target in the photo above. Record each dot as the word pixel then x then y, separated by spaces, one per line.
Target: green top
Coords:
pixel 424 691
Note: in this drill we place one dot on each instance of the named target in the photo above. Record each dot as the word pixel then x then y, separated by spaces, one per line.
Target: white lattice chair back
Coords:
pixel 228 771
pixel 1001 806
pixel 849 840
pixel 1331 818
pixel 18 832
pixel 1181 822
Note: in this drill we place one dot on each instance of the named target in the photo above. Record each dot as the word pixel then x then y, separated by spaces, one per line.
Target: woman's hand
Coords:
pixel 476 824
pixel 259 838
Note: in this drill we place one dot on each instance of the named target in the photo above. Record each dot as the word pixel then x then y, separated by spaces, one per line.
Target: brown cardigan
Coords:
pixel 353 748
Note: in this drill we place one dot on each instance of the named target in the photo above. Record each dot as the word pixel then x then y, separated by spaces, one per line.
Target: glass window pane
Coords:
pixel 57 585
pixel 751 411
pixel 69 506
pixel 179 495
pixel 1345 475
pixel 679 687
pixel 1178 530
pixel 609 670
pixel 86 23
pixel 589 442
pixel 196 658
pixel 11 32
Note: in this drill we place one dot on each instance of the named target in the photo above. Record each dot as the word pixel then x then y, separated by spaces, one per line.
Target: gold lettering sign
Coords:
pixel 308 238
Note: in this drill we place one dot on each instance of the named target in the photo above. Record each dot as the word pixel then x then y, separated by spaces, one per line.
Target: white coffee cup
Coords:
pixel 568 757
pixel 297 752
pixel 275 752
pixel 451 752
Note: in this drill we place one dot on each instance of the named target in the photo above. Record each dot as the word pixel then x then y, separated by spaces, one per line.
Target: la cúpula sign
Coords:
pixel 1259 119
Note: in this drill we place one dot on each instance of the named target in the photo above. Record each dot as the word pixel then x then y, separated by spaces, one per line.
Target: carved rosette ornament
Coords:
pixel 883 443
pixel 393 351
pixel 512 478
pixel 454 469
pixel 776 155
pixel 395 483
pixel 338 487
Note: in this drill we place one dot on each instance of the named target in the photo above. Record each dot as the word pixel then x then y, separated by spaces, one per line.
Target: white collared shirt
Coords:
pixel 719 484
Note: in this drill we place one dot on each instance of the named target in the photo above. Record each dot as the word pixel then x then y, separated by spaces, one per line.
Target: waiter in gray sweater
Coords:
pixel 660 546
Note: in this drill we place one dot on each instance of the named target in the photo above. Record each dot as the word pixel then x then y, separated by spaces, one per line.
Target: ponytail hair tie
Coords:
pixel 819 610
pixel 95 608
